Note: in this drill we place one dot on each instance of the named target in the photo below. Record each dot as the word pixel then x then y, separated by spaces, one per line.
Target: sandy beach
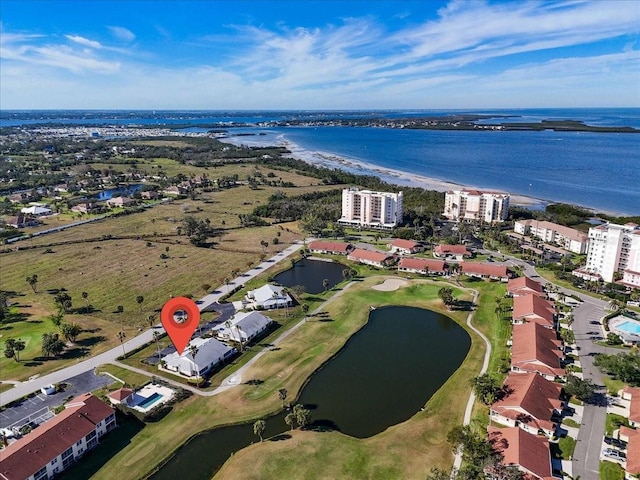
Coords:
pixel 398 177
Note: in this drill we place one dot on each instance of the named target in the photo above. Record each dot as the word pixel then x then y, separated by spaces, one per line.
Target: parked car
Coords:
pixel 613 453
pixel 615 442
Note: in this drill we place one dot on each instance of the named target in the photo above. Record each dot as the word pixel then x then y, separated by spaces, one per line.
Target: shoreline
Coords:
pixel 389 175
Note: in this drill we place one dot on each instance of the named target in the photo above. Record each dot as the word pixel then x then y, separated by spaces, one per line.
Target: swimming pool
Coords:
pixel 629 326
pixel 147 402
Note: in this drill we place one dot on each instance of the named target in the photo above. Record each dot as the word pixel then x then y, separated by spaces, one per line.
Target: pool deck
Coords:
pixel 627 337
pixel 147 391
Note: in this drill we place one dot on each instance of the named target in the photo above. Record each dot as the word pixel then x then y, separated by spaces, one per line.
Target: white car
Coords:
pixel 612 453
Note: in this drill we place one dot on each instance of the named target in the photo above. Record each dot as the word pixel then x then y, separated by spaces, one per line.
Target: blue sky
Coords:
pixel 318 54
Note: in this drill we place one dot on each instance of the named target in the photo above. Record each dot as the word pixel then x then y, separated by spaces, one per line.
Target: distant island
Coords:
pixel 380 119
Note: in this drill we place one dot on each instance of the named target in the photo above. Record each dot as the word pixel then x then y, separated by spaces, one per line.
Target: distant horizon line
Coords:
pixel 304 109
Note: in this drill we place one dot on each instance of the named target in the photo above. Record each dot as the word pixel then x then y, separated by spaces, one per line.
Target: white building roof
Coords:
pixel 269 295
pixel 210 352
pixel 36 210
pixel 250 323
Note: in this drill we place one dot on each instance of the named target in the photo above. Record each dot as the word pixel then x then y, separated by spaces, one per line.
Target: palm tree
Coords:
pixel 305 308
pixel 33 281
pixel 121 337
pixel 139 300
pixel 325 284
pixel 240 332
pixel 290 419
pixel 282 394
pixel 156 338
pixel 193 350
pixel 226 282
pixel 85 295
pixel 259 427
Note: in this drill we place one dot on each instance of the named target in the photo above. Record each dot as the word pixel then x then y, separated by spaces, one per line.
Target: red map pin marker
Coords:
pixel 180 317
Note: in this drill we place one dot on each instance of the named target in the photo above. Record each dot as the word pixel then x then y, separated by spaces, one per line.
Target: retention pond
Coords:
pixel 384 375
pixel 311 273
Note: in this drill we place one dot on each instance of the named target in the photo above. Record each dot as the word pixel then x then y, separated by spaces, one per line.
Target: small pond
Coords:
pixel 310 273
pixel 384 374
pixel 124 191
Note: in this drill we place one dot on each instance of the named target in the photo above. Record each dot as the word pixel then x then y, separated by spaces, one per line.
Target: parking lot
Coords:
pixel 37 405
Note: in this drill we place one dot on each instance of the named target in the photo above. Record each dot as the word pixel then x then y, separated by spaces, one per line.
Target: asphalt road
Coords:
pixel 586 456
pixel 26 388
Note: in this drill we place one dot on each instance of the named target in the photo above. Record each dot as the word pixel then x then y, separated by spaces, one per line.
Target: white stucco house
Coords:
pixel 210 352
pixel 267 297
pixel 244 327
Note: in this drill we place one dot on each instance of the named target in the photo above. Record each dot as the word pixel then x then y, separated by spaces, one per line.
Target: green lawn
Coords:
pixel 130 379
pixel 613 385
pixel 406 450
pixel 613 422
pixel 611 471
pixel 570 423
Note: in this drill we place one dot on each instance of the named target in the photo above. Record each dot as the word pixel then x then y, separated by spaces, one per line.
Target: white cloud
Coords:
pixel 121 33
pixel 474 54
pixel 84 41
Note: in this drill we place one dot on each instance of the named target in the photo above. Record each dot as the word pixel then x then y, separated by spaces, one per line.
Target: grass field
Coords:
pixel 407 450
pixel 114 272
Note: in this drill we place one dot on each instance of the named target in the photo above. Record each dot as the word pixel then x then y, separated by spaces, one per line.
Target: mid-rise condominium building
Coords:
pixel 613 249
pixel 568 238
pixel 55 445
pixel 489 207
pixel 366 208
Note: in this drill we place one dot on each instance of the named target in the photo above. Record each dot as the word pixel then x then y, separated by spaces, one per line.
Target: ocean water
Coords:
pixel 596 170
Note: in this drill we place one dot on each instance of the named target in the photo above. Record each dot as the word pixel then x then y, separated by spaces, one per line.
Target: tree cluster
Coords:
pixel 623 366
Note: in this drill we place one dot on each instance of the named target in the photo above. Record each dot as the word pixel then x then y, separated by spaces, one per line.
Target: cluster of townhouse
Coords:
pixel 204 353
pixel 448 258
pixel 530 412
pixel 627 404
pixel 58 443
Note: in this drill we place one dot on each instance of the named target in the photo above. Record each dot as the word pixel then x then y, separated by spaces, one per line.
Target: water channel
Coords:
pixel 382 376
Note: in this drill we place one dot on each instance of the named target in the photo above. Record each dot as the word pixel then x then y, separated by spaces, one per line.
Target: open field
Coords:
pixel 31 322
pixel 140 254
pixel 408 450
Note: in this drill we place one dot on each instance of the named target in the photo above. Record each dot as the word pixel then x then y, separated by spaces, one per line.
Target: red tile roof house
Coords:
pixel 535 349
pixel 632 437
pixel 633 394
pixel 532 308
pixel 405 247
pixel 530 453
pixel 53 446
pixel 122 395
pixel 333 248
pixel 423 266
pixel 532 403
pixel 485 270
pixel 451 252
pixel 517 287
pixel 370 257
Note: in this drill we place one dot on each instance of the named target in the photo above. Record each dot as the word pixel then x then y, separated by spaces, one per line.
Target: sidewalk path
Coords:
pixel 457 461
pixel 28 387
pixel 235 378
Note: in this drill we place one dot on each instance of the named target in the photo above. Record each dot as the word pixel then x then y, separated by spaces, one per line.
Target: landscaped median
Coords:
pixel 406 450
